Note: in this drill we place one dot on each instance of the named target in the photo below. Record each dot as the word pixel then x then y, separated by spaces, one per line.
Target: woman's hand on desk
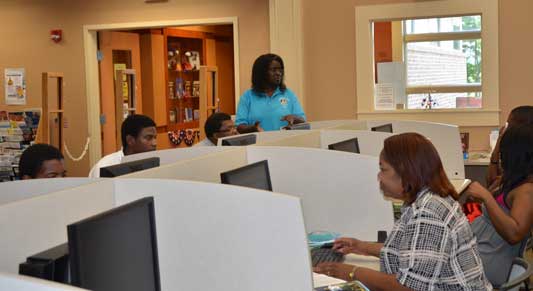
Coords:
pixel 337 270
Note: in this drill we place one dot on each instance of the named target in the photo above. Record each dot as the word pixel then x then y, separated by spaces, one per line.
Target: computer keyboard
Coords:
pixel 319 255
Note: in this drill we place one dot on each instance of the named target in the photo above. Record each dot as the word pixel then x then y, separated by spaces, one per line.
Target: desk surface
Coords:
pixel 362 261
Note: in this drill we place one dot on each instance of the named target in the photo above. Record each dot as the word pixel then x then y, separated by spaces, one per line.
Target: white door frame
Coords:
pixel 92 84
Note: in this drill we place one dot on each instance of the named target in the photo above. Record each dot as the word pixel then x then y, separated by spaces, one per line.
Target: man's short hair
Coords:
pixel 133 125
pixel 32 159
pixel 214 123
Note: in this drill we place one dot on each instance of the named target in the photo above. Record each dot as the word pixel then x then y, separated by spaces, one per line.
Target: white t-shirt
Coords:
pixel 109 160
pixel 205 143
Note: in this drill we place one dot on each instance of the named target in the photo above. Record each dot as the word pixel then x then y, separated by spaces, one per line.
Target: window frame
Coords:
pixel 488 115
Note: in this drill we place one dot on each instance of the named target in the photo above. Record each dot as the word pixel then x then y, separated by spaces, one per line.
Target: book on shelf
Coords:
pixel 196 89
pixel 196 114
pixel 187 89
pixel 179 88
pixel 171 94
pixel 172 116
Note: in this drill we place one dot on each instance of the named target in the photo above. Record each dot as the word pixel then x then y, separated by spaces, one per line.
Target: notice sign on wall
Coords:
pixel 384 97
pixel 15 86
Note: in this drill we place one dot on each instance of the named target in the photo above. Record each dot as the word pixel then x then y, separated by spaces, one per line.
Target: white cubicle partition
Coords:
pixel 206 168
pixel 339 190
pixel 209 235
pixel 327 124
pixel 308 138
pixel 33 225
pixel 18 190
pixel 224 237
pixel 445 138
pixel 175 155
pixel 14 282
pixel 269 136
pixel 370 142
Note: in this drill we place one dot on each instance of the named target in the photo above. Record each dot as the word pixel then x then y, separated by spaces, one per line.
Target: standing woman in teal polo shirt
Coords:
pixel 269 104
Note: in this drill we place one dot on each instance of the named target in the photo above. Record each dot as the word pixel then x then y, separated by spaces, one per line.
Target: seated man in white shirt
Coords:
pixel 216 126
pixel 138 136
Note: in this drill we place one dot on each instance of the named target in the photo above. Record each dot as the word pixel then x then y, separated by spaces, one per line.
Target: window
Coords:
pixel 443 60
pixel 439 64
pixel 467 28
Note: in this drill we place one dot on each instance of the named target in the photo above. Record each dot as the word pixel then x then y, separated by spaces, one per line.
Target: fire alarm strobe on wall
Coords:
pixel 56 35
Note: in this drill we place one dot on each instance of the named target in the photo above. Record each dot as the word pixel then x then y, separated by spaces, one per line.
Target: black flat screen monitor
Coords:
pixel 116 249
pixel 129 167
pixel 349 145
pixel 240 140
pixel 254 175
pixel 299 126
pixel 383 128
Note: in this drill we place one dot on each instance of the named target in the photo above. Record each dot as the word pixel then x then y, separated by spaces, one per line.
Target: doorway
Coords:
pixel 100 121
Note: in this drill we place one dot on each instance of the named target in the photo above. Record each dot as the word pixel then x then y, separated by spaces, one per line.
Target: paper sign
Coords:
pixel 15 86
pixel 384 97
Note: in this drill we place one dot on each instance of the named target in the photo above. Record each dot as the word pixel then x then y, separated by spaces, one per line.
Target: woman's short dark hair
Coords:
pixel 516 153
pixel 32 159
pixel 133 125
pixel 417 162
pixel 521 115
pixel 214 123
pixel 260 70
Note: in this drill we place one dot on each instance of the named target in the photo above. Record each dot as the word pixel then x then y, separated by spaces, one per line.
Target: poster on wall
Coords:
pixel 15 86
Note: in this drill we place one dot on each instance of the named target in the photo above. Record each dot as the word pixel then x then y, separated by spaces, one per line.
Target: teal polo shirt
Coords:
pixel 267 110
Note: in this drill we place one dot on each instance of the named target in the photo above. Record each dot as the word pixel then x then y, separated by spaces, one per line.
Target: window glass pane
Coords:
pixel 445 100
pixel 446 24
pixel 444 62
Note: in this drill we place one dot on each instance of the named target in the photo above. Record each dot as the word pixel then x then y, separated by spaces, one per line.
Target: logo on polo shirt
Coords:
pixel 283 101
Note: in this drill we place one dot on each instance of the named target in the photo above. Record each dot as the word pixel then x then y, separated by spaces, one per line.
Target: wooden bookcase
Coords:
pixel 187 108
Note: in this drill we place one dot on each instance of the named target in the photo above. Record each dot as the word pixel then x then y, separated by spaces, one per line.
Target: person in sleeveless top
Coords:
pixel 503 229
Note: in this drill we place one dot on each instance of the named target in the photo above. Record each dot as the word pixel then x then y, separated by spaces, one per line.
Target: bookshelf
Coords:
pixel 191 85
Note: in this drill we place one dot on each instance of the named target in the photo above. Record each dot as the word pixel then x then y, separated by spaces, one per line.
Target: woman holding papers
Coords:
pixel 431 246
pixel 503 229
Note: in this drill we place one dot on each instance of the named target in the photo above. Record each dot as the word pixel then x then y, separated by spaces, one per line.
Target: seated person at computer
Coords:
pixel 504 227
pixel 41 161
pixel 216 126
pixel 269 104
pixel 518 116
pixel 138 134
pixel 431 246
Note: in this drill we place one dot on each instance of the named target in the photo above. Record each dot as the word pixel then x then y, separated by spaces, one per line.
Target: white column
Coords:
pixel 286 40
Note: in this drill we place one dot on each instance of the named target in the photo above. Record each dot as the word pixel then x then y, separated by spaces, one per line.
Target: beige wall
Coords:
pixel 329 58
pixel 25 26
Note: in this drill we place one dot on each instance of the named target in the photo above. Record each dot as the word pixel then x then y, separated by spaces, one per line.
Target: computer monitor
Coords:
pixel 51 264
pixel 299 126
pixel 116 249
pixel 129 167
pixel 350 145
pixel 254 175
pixel 240 140
pixel 383 128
